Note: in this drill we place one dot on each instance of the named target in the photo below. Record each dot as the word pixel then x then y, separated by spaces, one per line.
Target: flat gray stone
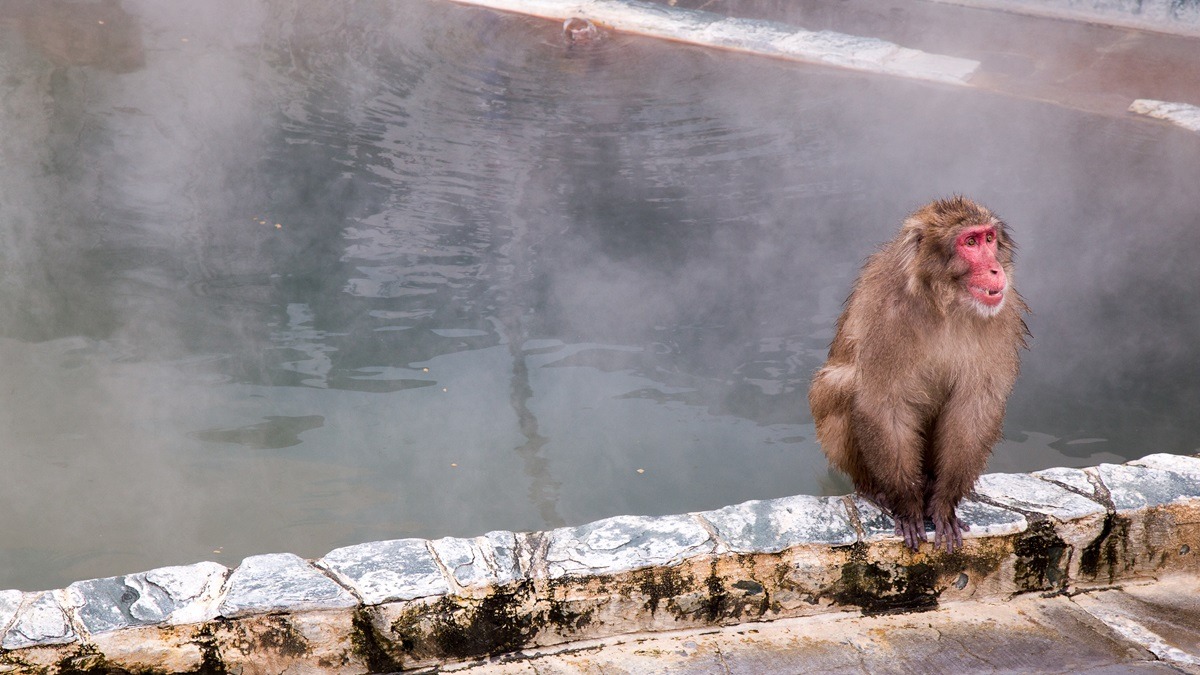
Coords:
pixel 1028 493
pixel 772 525
pixel 986 520
pixel 40 620
pixel 625 543
pixel 387 571
pixel 176 595
pixel 280 582
pixel 481 561
pixel 1135 487
pixel 1074 478
pixel 1188 465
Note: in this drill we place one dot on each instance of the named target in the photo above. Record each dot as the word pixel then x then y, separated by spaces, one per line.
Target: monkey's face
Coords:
pixel 984 283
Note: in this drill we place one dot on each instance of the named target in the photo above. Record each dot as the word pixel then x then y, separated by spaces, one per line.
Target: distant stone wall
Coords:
pixel 394 605
pixel 1169 16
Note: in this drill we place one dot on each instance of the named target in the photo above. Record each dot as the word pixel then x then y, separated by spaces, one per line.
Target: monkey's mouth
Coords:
pixel 988 296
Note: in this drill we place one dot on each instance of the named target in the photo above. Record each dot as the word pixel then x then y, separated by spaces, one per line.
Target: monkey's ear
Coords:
pixel 908 244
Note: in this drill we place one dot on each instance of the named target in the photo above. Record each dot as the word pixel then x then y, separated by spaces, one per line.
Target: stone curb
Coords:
pixel 765 38
pixel 394 605
pixel 1167 16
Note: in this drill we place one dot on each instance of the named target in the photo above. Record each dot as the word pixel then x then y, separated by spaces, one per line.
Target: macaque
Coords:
pixel 911 399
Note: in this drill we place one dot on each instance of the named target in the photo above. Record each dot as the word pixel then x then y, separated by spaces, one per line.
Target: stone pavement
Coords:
pixel 1150 628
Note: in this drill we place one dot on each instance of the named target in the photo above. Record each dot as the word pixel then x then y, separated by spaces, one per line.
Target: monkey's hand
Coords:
pixel 947 531
pixel 912 528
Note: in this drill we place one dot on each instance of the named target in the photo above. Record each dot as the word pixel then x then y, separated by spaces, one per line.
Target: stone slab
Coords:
pixel 10 602
pixel 1134 487
pixel 625 543
pixel 386 571
pixel 986 520
pixel 174 595
pixel 1071 478
pixel 480 561
pixel 41 620
pixel 773 525
pixel 1187 465
pixel 279 582
pixel 1028 493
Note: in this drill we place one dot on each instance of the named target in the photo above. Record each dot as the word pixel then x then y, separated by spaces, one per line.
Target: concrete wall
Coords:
pixel 394 605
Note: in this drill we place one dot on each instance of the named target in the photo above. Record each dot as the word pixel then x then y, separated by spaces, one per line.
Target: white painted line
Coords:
pixel 765 38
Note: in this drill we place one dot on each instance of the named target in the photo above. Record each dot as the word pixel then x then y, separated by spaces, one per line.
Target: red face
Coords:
pixel 986 281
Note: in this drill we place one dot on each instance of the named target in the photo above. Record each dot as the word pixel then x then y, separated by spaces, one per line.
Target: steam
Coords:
pixel 483 280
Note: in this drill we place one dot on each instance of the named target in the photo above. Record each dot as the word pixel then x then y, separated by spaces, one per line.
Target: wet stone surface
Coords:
pixel 1183 464
pixel 490 559
pixel 770 526
pixel 986 520
pixel 625 543
pixel 384 571
pixel 1135 487
pixel 1028 493
pixel 281 582
pixel 185 594
pixel 40 621
pixel 10 602
pixel 1076 479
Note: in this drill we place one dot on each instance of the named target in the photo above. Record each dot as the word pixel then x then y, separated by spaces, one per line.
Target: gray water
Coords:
pixel 291 275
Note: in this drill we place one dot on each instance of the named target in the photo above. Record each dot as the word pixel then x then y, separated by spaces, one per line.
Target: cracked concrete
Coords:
pixel 1106 631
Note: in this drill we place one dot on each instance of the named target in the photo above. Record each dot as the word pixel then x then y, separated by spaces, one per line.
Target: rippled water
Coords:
pixel 290 275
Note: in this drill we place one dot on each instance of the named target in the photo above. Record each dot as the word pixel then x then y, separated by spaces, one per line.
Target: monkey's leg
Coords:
pixel 961 444
pixel 890 448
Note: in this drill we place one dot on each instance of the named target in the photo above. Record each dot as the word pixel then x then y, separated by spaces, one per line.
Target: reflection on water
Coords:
pixel 285 275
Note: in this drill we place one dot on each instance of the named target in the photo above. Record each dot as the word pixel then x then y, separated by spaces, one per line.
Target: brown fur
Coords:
pixel 912 397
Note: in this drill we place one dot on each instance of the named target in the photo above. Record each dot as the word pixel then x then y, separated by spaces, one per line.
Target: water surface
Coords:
pixel 285 275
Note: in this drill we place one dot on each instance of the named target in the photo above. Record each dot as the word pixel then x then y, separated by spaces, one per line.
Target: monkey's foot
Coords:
pixel 947 532
pixel 912 530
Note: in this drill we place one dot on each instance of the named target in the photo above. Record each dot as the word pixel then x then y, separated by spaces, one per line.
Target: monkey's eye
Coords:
pixel 971 241
pixel 991 237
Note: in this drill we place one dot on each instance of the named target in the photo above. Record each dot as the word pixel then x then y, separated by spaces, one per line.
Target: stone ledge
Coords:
pixel 765 38
pixel 410 603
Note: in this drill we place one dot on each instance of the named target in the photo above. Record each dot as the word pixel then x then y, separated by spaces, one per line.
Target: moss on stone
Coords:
pixel 1042 558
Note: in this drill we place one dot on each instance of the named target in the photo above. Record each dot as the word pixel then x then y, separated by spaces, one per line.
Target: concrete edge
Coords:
pixel 839 50
pixel 754 36
pixel 410 603
pixel 1174 17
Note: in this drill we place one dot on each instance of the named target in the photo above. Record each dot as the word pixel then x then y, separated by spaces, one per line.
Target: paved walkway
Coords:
pixel 1152 628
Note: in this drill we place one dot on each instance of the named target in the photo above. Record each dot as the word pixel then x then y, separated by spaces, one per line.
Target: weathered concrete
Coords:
pixel 395 605
pixel 1142 629
pixel 1169 16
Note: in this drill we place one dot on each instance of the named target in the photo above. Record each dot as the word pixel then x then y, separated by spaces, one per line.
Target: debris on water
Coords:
pixel 580 31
